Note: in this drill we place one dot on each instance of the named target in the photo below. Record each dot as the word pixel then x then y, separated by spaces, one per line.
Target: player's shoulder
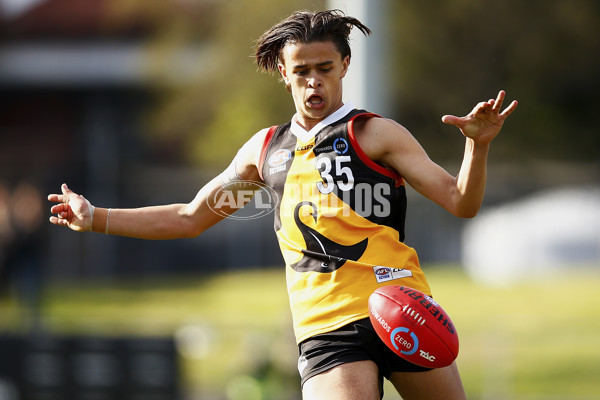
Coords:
pixel 260 136
pixel 256 142
pixel 379 126
pixel 379 136
pixel 249 156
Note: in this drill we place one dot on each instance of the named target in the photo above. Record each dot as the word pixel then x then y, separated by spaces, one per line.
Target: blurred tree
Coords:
pixel 444 56
pixel 209 96
pixel 545 53
pixel 247 100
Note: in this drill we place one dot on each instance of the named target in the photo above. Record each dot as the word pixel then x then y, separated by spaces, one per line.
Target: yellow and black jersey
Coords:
pixel 339 222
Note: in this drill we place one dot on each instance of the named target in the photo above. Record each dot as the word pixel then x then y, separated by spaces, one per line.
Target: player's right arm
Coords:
pixel 172 221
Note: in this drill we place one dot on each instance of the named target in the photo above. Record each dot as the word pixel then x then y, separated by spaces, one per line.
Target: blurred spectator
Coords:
pixel 5 228
pixel 21 217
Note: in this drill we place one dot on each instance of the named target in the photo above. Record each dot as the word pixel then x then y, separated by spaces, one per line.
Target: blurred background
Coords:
pixel 140 102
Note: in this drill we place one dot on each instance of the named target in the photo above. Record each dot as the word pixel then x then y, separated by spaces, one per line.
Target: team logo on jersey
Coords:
pixel 278 160
pixel 323 254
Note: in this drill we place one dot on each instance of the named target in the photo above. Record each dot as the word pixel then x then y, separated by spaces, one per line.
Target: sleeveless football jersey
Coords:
pixel 339 222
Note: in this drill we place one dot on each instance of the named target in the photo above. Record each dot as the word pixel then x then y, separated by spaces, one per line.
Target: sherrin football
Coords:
pixel 413 326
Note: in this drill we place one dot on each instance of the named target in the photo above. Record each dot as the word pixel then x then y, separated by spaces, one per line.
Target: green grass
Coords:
pixel 535 341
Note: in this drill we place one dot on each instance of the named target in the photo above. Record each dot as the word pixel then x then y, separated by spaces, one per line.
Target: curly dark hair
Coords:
pixel 306 27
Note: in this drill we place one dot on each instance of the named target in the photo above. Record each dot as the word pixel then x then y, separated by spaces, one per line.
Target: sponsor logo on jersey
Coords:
pixel 385 274
pixel 340 146
pixel 305 147
pixel 324 149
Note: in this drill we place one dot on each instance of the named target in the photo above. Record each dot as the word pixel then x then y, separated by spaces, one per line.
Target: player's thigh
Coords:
pixel 351 381
pixel 439 383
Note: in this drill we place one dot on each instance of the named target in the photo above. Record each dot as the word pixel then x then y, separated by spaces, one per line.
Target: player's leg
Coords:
pixel 439 383
pixel 355 380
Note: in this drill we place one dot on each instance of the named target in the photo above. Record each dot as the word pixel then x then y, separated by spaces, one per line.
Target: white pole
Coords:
pixel 364 83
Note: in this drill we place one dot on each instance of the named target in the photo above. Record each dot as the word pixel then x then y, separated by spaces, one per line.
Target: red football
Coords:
pixel 413 326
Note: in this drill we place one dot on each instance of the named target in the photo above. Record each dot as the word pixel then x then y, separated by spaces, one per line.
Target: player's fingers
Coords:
pixel 60 207
pixel 509 110
pixel 451 120
pixel 499 100
pixel 65 192
pixel 58 221
pixel 55 197
pixel 483 107
pixel 55 209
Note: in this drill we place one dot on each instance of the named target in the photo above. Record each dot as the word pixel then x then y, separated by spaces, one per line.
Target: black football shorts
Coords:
pixel 356 341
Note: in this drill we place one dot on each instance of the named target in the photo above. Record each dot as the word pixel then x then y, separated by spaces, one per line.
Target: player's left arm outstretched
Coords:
pixel 392 145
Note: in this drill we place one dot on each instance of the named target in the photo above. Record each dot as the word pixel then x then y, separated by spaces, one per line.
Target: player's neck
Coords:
pixel 308 123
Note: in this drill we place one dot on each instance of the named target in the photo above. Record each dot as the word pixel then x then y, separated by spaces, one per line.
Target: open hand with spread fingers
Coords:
pixel 485 121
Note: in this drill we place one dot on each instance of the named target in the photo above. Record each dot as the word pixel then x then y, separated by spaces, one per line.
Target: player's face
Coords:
pixel 314 72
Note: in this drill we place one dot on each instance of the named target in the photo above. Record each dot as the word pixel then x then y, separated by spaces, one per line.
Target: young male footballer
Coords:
pixel 340 176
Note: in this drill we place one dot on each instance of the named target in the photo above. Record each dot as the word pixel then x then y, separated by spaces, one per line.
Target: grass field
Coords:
pixel 539 341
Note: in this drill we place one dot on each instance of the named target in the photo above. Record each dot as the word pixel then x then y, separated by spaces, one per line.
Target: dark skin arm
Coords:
pixel 390 144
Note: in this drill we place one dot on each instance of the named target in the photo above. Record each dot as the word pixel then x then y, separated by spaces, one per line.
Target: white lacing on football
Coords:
pixel 409 311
